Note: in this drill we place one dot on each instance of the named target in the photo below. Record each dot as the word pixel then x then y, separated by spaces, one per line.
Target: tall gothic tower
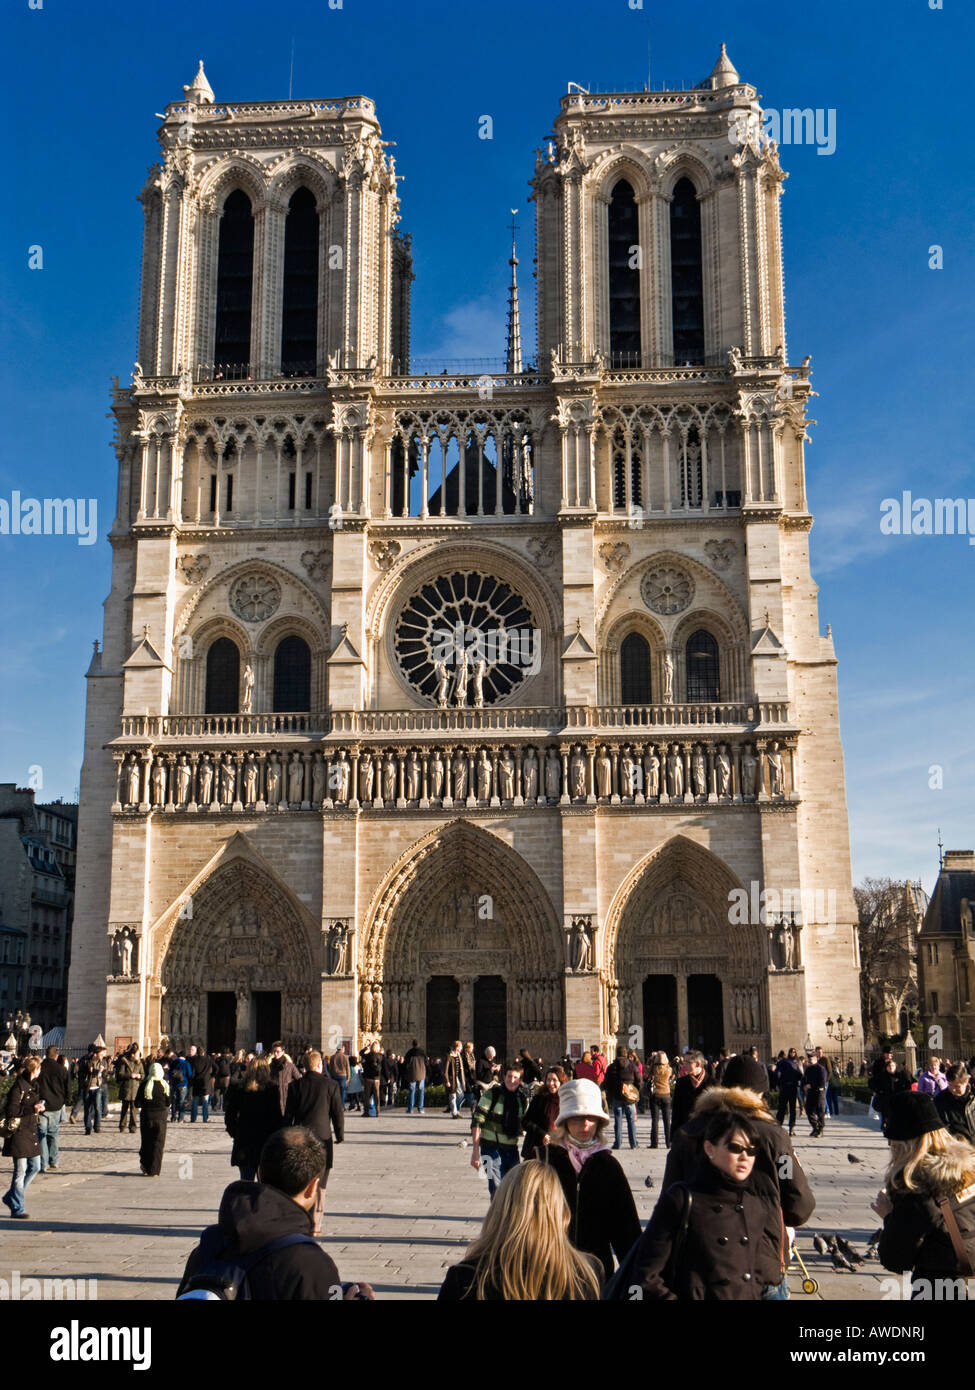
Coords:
pixel 487 706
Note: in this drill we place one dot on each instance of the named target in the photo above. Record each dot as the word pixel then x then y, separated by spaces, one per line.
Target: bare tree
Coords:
pixel 888 915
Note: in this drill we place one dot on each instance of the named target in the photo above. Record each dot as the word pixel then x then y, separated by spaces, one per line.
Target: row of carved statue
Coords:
pixel 403 776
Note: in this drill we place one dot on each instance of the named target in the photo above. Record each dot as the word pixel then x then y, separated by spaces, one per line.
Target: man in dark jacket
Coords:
pixel 179 1080
pixel 201 1080
pixel 283 1072
pixel 389 1078
pixel 253 1215
pixel 91 1076
pixel 956 1103
pixel 315 1101
pixel 129 1073
pixel 372 1070
pixel 687 1088
pixel 221 1078
pixel 622 1072
pixel 814 1080
pixel 52 1084
pixel 415 1075
pixel 777 1171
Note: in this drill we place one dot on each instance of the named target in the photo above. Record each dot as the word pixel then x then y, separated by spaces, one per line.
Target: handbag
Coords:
pixel 962 1253
pixel 630 1093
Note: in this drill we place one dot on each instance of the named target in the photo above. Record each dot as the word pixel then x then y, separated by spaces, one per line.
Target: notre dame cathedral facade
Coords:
pixel 490 705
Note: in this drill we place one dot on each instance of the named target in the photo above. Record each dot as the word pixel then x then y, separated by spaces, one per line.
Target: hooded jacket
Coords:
pixel 252 1215
pixel 777 1177
pixel 915 1236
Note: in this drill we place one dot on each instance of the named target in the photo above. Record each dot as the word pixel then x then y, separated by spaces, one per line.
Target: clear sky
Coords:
pixel 891 338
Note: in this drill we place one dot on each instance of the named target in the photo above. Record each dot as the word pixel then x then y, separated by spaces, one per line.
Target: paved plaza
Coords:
pixel 403 1202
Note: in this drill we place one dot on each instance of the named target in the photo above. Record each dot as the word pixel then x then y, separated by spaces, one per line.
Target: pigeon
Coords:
pixel 820 1246
pixel 839 1262
pixel 830 1240
pixel 648 1182
pixel 852 1158
pixel 848 1251
pixel 871 1251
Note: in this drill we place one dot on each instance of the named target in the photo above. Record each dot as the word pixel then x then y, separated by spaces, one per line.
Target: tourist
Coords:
pixel 470 1077
pixel 22 1105
pixel 955 1104
pixel 604 1219
pixel 222 1067
pixel 530 1072
pixel 584 1069
pixel 832 1101
pixel 497 1126
pixel 252 1114
pixel 599 1066
pixel 788 1078
pixel 932 1080
pixel 255 1215
pixel 129 1073
pixel 814 1091
pixel 778 1173
pixel 488 1069
pixel 890 1081
pixel 454 1079
pixel 201 1083
pixel 154 1098
pixel 340 1070
pixel 927 1203
pixel 52 1084
pixel 316 1102
pixel 523 1253
pixel 706 1240
pixel 179 1079
pixel 238 1066
pixel 660 1097
pixel 687 1088
pixel 283 1072
pixel 372 1070
pixel 91 1074
pixel 622 1093
pixel 542 1114
pixel 415 1076
pixel 389 1078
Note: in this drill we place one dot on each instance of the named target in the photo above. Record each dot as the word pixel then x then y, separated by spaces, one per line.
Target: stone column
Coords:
pixel 564 799
pixel 591 774
pixel 238 782
pixel 686 749
pixel 762 794
pixel 466 1015
pixel 614 798
pixel 146 788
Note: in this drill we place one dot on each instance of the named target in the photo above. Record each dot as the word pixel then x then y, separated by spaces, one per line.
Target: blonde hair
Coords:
pixel 258 1074
pixel 952 1168
pixel 523 1252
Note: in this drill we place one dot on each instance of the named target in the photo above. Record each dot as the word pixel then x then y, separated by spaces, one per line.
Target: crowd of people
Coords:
pixel 562 1222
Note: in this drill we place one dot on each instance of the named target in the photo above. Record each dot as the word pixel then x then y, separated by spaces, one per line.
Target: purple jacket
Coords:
pixel 930 1083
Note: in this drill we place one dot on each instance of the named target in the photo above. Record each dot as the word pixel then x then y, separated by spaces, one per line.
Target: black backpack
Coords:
pixel 220 1281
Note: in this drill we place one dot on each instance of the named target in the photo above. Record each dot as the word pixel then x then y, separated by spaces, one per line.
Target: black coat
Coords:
pixel 541 1108
pixel 390 1070
pixel 20 1101
pixel 316 1102
pixel 414 1066
pixel 618 1075
pixel 604 1219
pixel 155 1107
pixel 886 1084
pixel 685 1097
pixel 253 1215
pixel 915 1236
pixel 53 1083
pixel 372 1066
pixel 958 1112
pixel 201 1079
pixel 729 1226
pixel 251 1117
pixel 459 1284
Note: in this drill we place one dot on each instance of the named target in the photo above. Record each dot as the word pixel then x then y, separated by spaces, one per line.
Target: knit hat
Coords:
pixel 912 1113
pixel 580 1099
pixel 745 1071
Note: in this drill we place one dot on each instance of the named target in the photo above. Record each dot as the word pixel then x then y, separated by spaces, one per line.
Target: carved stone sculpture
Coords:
pixel 748 771
pixel 580 946
pixel 480 667
pixel 389 778
pixel 675 772
pixel 250 781
pixel 366 778
pixel 775 771
pixel 699 770
pixel 436 775
pixel 227 780
pixel 248 690
pixel 134 780
pixel 413 776
pixel 296 779
pixel 182 781
pixel 459 768
pixel 651 772
pixel 577 774
pixel 723 765
pixel 604 773
pixel 317 781
pixel 483 766
pixel 668 679
pixel 506 776
pixel 158 782
pixel 443 683
pixel 273 782
pixel 206 781
pixel 553 775
pixel 529 775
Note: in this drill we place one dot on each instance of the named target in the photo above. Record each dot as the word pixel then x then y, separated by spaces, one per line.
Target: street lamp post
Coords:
pixel 841 1031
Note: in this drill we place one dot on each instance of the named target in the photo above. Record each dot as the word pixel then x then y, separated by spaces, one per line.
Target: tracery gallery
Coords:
pixel 448 705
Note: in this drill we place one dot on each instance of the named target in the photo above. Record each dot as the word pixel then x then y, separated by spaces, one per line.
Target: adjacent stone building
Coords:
pixel 946 960
pixel 463 705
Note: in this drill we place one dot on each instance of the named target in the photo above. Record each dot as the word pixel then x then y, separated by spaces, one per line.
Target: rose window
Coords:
pixel 466 639
pixel 254 597
pixel 666 590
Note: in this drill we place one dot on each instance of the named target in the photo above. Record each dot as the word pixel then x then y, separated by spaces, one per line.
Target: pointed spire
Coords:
pixel 725 74
pixel 513 354
pixel 199 92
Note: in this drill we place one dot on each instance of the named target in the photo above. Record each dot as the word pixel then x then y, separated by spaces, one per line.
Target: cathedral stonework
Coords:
pixel 463 705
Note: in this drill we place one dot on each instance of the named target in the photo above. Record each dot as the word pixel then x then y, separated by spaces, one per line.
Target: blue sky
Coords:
pixel 891 339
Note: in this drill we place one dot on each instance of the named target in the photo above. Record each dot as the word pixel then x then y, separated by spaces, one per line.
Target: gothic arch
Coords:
pixel 684 161
pixel 627 162
pixel 705 578
pixel 609 644
pixel 302 169
pixel 288 580
pixel 224 176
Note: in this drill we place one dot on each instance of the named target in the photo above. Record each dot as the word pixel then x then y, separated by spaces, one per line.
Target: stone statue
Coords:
pixel 580 947
pixel 250 780
pixel 460 680
pixel 700 772
pixel 436 774
pixel 484 770
pixel 134 779
pixel 377 1007
pixel 182 781
pixel 365 1009
pixel 296 779
pixel 332 949
pixel 668 679
pixel 604 773
pixel 228 778
pixel 158 782
pixel 460 776
pixel 127 948
pixel 775 772
pixel 206 781
pixel 651 772
pixel 506 776
pixel 614 1012
pixel 389 778
pixel 675 771
pixel 781 949
pixel 748 770
pixel 553 775
pixel 480 666
pixel 413 776
pixel 367 776
pixel 723 765
pixel 117 953
pixel 273 782
pixel 443 683
pixel 529 775
pixel 343 772
pixel 317 781
pixel 628 774
pixel 577 774
pixel 965 918
pixel 248 694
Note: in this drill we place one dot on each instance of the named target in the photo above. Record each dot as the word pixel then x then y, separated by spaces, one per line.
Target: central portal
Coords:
pixel 443 1015
pixel 491 1016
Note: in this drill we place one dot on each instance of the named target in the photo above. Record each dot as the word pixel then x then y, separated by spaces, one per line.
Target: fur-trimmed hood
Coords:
pixel 737 1098
pixel 941 1175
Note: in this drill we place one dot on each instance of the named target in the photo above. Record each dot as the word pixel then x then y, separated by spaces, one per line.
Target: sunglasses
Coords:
pixel 749 1150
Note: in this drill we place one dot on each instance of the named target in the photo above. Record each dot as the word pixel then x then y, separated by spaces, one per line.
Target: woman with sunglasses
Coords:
pixel 704 1241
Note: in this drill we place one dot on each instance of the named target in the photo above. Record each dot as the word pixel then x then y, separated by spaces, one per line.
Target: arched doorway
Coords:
pixel 235 965
pixel 684 975
pixel 463 941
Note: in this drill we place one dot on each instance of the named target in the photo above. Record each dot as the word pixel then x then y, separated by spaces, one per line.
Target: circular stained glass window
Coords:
pixel 466 639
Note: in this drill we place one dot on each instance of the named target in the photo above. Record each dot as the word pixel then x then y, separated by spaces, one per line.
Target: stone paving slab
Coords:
pixel 402 1205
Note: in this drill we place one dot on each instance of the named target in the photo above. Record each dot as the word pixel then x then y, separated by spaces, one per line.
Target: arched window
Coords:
pixel 635 670
pixel 235 279
pixel 701 655
pixel 624 277
pixel 223 677
pixel 686 274
pixel 292 676
pixel 299 308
